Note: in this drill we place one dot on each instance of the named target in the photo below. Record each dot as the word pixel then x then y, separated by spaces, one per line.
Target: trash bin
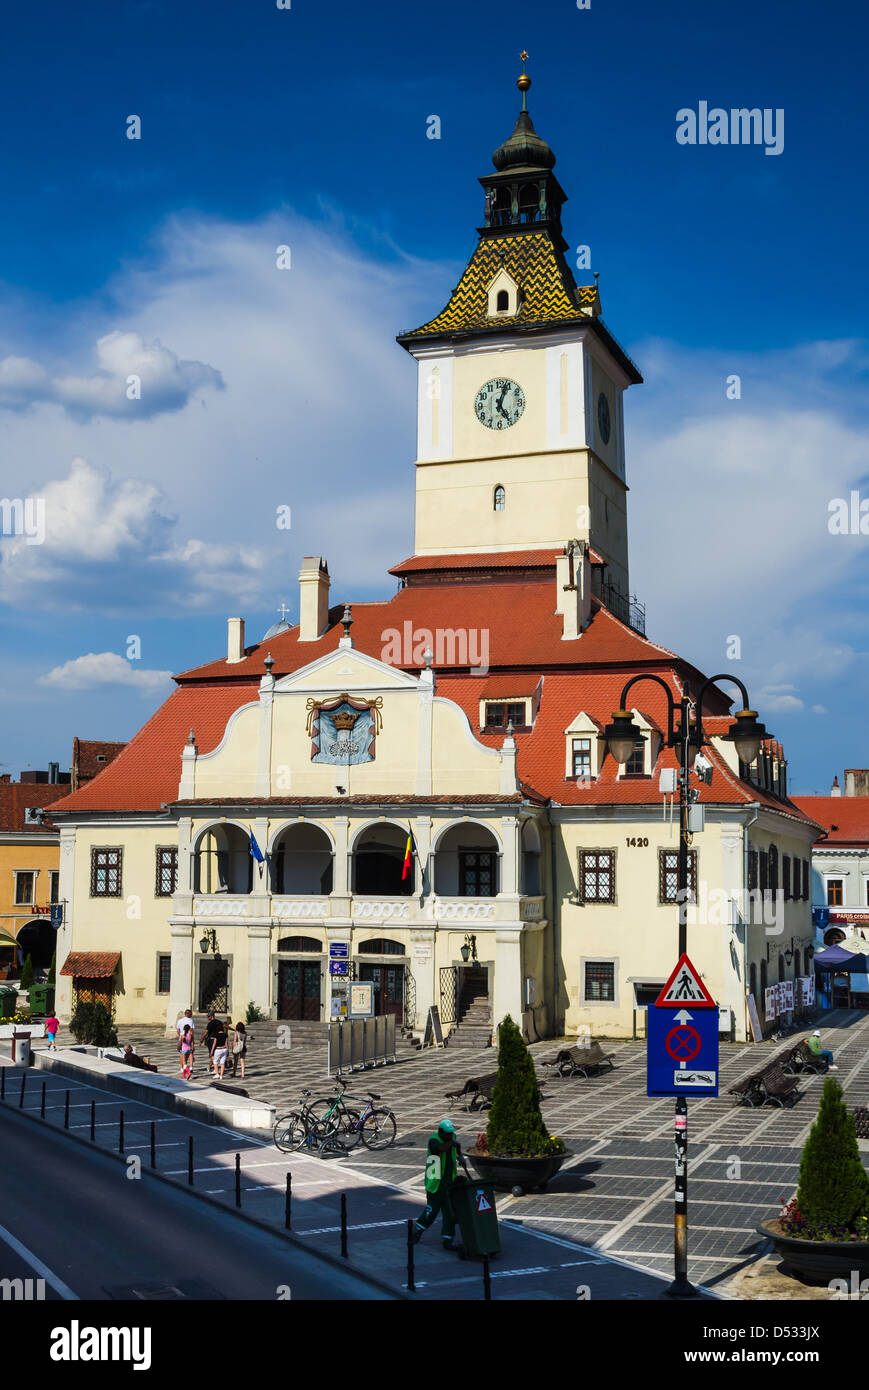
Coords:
pixel 7 1001
pixel 41 999
pixel 474 1206
pixel 21 1049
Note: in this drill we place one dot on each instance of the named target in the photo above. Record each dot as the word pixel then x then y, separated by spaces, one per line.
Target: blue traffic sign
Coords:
pixel 682 1052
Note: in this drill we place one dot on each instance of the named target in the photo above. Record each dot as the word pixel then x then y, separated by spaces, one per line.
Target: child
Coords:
pixel 51 1027
pixel 186 1050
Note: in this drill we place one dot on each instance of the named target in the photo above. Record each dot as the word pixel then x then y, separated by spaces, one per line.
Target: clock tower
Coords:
pixel 520 434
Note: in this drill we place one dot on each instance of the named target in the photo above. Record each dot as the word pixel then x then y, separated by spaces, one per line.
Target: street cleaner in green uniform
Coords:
pixel 444 1155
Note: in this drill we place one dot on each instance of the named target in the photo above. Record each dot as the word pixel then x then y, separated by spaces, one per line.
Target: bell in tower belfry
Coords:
pixel 521 445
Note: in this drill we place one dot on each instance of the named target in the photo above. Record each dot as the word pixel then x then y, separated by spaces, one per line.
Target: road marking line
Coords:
pixel 41 1269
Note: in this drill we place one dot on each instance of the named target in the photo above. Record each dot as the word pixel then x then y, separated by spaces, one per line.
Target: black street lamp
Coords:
pixel 621 735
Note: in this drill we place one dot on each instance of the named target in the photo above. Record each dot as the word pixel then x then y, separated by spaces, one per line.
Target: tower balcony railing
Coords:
pixel 625 607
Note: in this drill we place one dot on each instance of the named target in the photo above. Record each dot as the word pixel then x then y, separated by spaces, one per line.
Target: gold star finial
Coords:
pixel 524 82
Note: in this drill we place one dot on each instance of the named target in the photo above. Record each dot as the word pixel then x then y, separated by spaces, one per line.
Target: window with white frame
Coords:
pixel 497 714
pixel 582 739
pixel 835 891
pixel 581 758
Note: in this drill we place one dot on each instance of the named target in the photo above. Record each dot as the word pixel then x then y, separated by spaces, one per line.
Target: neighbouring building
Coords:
pixel 29 868
pixel 260 818
pixel 840 875
pixel 90 756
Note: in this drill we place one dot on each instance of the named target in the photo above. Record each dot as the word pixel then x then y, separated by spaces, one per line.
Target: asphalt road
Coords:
pixel 102 1235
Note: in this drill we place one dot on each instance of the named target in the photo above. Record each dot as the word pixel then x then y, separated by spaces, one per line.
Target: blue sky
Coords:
pixel 308 127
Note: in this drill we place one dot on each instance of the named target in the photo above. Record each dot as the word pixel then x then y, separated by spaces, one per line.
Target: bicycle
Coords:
pixel 343 1125
pixel 295 1130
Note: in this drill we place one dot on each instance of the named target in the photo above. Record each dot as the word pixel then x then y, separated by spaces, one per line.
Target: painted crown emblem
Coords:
pixel 345 720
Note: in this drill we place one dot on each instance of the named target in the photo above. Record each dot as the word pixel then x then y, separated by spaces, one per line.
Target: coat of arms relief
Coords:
pixel 344 730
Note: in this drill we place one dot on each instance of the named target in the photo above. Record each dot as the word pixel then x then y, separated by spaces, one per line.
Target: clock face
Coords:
pixel 499 403
pixel 603 417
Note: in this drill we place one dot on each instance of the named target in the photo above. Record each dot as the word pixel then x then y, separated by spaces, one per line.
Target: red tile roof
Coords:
pixel 846 818
pixel 487 560
pixel 525 642
pixel 91 965
pixel 15 797
pixel 90 757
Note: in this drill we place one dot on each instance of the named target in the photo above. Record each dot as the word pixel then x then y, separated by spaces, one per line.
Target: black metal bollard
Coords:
pixel 487 1280
pixel 344 1224
pixel 410 1245
pixel 238 1180
pixel 2 1083
pixel 121 1132
pixel 190 1160
pixel 66 1111
pixel 42 1103
pixel 288 1205
pixel 93 1120
pixel 153 1145
pixel 21 1097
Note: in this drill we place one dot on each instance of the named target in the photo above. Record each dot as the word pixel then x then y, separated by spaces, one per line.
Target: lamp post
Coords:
pixel 621 735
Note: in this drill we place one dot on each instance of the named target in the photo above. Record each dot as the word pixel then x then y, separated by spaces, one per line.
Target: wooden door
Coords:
pixel 299 990
pixel 388 983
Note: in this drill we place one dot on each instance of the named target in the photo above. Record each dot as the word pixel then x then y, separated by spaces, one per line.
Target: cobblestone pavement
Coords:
pixel 615 1193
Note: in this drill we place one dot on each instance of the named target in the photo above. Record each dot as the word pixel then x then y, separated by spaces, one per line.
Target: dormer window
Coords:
pixel 581 758
pixel 503 296
pixel 635 765
pixel 499 499
pixel 499 713
pixel 582 737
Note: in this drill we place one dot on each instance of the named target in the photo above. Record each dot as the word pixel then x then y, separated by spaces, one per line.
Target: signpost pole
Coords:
pixel 681 1287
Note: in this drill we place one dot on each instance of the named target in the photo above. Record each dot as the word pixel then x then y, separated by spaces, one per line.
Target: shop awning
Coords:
pixel 834 958
pixel 91 965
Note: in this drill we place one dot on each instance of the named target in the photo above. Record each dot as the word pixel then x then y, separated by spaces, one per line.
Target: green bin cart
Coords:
pixel 7 1001
pixel 41 998
pixel 474 1206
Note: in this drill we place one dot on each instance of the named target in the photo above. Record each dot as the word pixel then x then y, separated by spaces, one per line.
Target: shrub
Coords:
pixel 52 969
pixel 254 1013
pixel 515 1124
pixel 832 1201
pixel 92 1024
pixel 27 976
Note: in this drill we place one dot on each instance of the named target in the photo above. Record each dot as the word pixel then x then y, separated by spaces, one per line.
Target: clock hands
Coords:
pixel 499 405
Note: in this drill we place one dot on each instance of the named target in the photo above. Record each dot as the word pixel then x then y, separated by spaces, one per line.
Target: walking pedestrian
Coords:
pixel 221 1050
pixel 185 1020
pixel 212 1027
pixel 51 1026
pixel 239 1048
pixel 186 1050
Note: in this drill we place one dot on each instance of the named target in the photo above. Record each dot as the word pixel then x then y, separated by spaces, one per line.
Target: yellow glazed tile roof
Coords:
pixel 549 294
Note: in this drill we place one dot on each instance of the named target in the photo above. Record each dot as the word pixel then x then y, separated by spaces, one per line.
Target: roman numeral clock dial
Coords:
pixel 499 403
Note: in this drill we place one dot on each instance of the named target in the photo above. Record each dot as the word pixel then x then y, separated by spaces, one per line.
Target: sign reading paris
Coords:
pixel 343 730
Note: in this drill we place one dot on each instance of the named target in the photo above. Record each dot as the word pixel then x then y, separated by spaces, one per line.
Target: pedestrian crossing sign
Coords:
pixel 685 987
pixel 483 1203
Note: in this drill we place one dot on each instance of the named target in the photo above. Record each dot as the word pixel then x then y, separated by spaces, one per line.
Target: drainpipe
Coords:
pixel 556 921
pixel 755 806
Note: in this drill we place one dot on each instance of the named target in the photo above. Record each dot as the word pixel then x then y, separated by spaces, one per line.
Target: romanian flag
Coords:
pixel 409 852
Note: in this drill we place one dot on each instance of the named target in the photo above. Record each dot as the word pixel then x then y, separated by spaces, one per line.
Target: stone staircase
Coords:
pixel 473 1011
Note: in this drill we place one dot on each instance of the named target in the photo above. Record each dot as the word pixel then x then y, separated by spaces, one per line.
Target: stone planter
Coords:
pixel 819 1260
pixel 510 1173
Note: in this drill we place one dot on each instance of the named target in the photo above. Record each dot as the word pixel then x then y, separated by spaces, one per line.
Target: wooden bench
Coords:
pixel 572 1061
pixel 779 1088
pixel 476 1092
pixel 748 1091
pixel 804 1059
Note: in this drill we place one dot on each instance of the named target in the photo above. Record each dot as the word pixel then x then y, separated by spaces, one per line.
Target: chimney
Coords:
pixel 53 769
pixel 573 588
pixel 313 598
pixel 835 790
pixel 856 781
pixel 235 639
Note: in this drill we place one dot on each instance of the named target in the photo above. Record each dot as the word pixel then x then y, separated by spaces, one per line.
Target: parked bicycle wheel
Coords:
pixel 350 1129
pixel 290 1132
pixel 378 1129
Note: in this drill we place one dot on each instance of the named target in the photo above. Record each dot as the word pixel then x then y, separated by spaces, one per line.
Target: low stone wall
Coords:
pixel 189 1098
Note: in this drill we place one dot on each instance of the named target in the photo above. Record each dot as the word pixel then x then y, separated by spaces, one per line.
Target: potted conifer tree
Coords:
pixel 824 1231
pixel 517 1152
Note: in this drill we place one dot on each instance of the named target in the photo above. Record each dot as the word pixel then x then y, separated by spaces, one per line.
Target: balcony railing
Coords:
pixel 229 907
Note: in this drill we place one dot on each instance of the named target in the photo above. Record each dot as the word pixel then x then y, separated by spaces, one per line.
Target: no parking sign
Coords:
pixel 682 1052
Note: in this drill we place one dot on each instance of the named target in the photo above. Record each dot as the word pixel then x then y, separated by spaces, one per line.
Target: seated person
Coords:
pixel 133 1060
pixel 814 1045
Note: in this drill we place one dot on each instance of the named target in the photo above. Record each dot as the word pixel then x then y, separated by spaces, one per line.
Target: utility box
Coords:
pixel 474 1206
pixel 21 1049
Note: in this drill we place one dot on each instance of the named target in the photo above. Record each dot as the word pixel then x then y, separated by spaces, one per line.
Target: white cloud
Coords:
pixel 111 545
pixel 105 669
pixel 779 699
pixel 135 381
pixel 820 709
